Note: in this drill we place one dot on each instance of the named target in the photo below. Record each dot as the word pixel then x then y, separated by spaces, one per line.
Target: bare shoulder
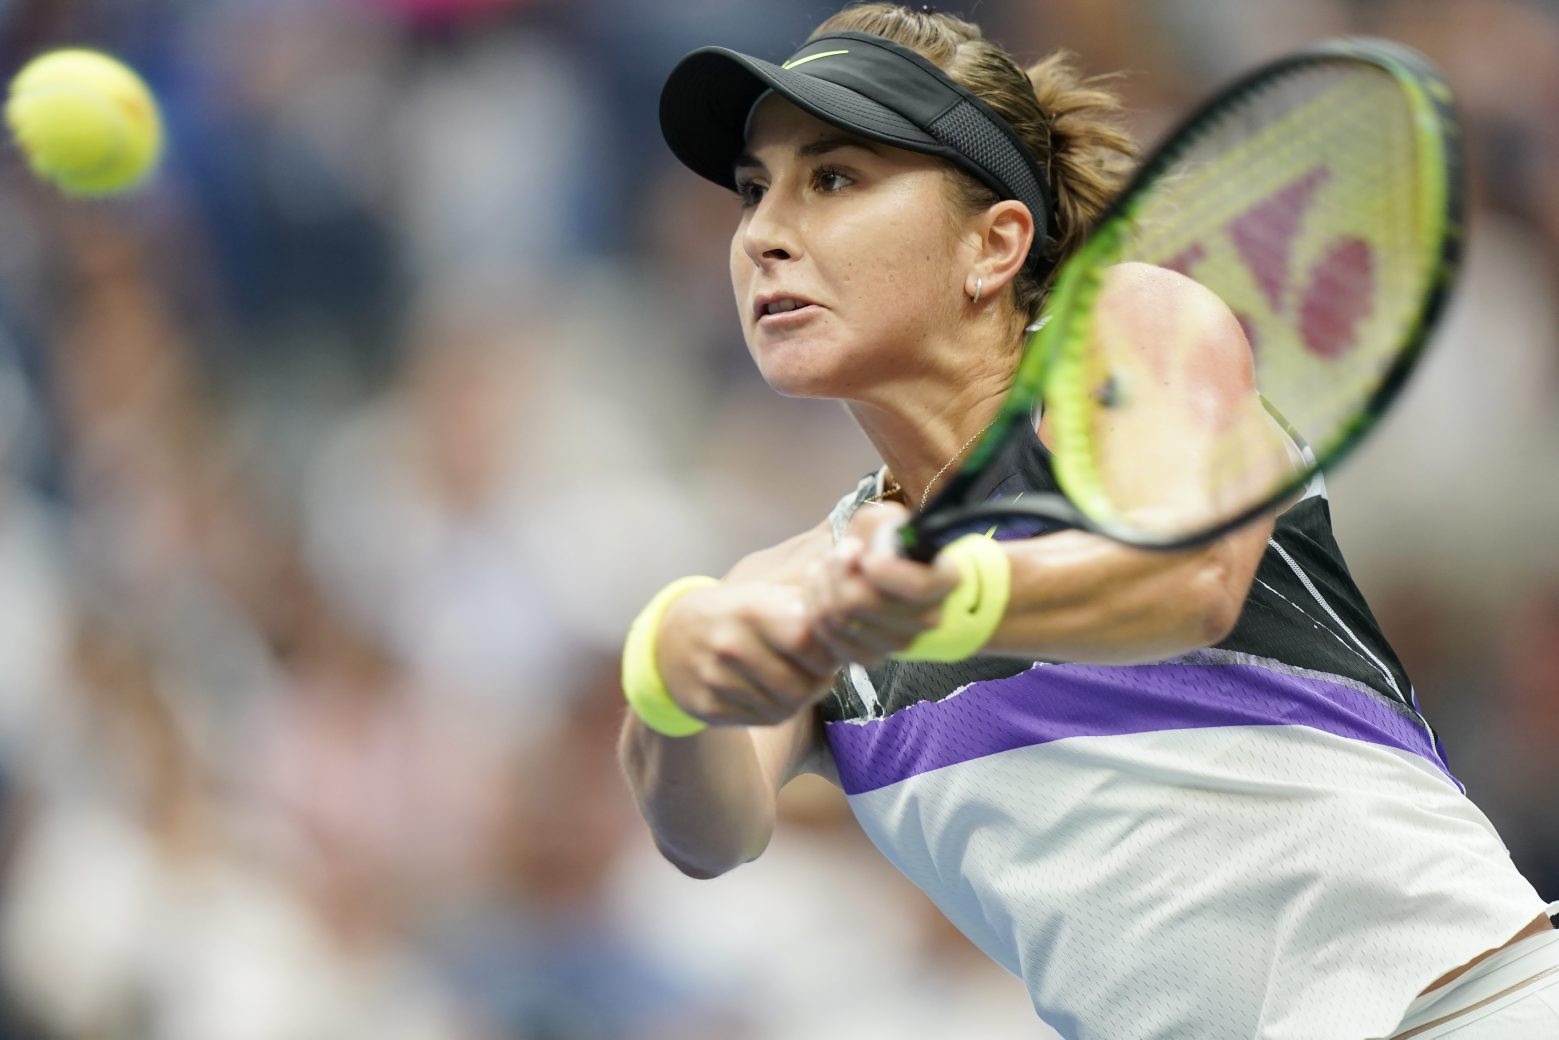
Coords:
pixel 1156 307
pixel 1148 287
pixel 1147 283
pixel 785 562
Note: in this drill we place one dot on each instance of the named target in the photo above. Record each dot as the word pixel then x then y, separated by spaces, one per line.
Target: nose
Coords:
pixel 770 235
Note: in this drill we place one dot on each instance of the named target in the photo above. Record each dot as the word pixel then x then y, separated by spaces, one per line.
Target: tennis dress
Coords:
pixel 1259 839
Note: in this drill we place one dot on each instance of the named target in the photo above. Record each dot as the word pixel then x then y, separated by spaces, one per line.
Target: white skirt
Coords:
pixel 1513 995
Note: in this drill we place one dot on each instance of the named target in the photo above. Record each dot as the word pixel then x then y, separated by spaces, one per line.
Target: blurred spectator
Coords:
pixel 33 598
pixel 544 955
pixel 127 915
pixel 1524 708
pixel 421 522
pixel 334 463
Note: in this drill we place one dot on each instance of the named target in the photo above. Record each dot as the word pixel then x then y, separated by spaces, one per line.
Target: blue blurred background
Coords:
pixel 333 465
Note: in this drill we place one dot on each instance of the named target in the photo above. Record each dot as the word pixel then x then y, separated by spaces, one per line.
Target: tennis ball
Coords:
pixel 85 121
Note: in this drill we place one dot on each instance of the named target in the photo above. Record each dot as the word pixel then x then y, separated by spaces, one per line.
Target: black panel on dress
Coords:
pixel 1313 618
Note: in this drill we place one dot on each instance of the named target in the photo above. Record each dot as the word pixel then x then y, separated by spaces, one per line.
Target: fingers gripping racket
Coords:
pixel 1316 202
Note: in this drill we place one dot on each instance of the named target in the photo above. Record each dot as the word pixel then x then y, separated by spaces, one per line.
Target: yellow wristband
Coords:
pixel 973 610
pixel 642 685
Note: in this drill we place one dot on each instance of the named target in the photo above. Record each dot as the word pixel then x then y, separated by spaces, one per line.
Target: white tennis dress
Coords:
pixel 1260 839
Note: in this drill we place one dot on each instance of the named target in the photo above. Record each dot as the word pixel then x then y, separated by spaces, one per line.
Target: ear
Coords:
pixel 1000 236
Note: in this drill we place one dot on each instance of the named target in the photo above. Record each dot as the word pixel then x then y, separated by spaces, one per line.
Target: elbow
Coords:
pixel 709 862
pixel 1225 571
pixel 1216 621
pixel 696 871
pixel 1218 597
pixel 705 820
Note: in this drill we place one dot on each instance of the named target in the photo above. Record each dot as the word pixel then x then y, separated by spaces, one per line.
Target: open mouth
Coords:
pixel 771 309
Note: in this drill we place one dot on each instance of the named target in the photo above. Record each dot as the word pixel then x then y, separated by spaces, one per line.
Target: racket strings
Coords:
pixel 1299 209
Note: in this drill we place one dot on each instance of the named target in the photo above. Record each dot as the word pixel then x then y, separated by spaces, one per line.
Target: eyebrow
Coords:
pixel 821 146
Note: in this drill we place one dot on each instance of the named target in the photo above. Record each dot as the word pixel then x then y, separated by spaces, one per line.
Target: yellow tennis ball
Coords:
pixel 85 121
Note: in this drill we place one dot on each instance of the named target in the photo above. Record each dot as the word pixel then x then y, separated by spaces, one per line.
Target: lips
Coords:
pixel 773 304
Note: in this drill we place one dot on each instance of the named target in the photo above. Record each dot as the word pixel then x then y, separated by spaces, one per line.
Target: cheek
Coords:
pixel 741 269
pixel 906 279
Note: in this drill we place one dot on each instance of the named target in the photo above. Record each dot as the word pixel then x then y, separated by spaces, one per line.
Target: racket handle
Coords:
pixel 913 544
pixel 928 533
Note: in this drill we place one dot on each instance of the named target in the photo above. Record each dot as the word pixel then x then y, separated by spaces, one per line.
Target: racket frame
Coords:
pixel 1049 349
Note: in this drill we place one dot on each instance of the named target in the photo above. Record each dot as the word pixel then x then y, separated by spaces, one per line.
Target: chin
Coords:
pixel 792 381
pixel 803 391
pixel 797 368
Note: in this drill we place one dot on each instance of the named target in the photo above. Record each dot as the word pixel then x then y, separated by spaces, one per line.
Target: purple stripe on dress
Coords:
pixel 1052 702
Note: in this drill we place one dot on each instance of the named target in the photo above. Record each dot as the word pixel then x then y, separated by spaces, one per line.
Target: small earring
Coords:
pixel 979 285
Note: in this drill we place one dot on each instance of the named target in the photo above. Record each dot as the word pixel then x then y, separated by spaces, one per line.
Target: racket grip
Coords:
pixel 914 544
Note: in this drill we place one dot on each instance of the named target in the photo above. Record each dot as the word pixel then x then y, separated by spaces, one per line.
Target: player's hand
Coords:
pixel 743 654
pixel 865 600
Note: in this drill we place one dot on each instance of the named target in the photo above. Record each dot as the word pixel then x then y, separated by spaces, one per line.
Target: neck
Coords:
pixel 923 431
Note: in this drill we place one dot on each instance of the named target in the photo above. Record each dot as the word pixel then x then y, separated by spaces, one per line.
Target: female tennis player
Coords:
pixel 1180 794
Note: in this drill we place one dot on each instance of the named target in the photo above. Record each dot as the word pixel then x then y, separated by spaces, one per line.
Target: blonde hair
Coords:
pixel 1070 124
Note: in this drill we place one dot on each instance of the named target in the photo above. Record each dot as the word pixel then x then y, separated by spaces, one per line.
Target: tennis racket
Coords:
pixel 1319 198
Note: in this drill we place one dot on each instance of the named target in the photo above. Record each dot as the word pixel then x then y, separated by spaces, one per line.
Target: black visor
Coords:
pixel 858 82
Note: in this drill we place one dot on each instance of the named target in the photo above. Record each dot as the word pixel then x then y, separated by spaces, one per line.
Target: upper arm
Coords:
pixel 1187 412
pixel 793 747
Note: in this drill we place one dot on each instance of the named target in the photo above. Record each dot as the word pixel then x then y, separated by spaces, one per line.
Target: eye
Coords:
pixel 749 192
pixel 827 179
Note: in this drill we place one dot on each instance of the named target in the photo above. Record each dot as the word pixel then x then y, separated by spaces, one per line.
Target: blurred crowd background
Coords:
pixel 333 465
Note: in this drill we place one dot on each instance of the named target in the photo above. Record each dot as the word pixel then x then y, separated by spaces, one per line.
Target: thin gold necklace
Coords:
pixel 926 495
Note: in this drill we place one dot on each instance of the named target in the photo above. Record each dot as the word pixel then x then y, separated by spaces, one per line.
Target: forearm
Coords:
pixel 738 656
pixel 706 798
pixel 1080 597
